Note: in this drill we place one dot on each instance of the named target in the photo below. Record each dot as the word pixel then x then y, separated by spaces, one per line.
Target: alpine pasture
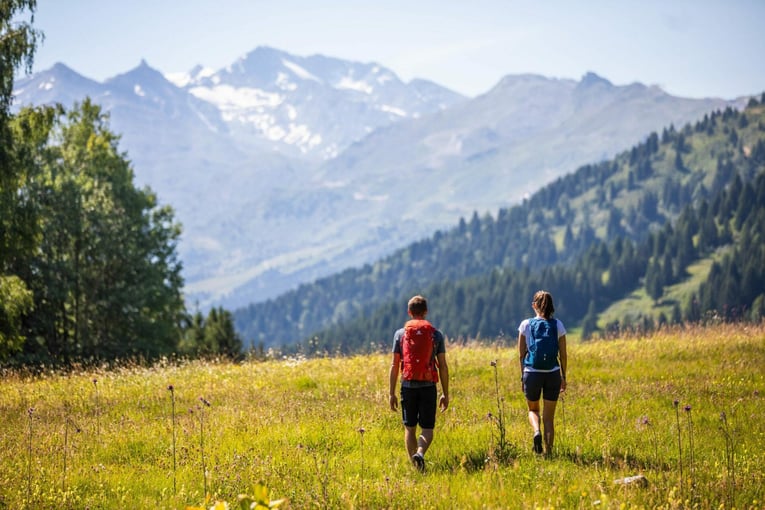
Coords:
pixel 683 407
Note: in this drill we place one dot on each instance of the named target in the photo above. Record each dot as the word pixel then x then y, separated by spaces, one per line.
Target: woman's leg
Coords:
pixel 532 388
pixel 548 418
pixel 550 394
pixel 534 415
pixel 534 421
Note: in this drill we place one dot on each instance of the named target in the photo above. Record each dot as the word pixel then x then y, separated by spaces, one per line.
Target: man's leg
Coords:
pixel 410 438
pixel 428 406
pixel 423 442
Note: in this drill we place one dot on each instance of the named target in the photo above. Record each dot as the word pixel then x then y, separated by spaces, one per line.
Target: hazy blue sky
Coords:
pixel 696 48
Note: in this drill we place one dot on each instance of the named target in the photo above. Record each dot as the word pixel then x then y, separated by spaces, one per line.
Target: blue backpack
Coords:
pixel 543 344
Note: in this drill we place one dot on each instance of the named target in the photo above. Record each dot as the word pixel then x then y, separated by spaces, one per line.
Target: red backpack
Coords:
pixel 418 359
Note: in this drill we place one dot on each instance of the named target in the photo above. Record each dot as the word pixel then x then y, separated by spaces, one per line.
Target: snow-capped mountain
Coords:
pixel 283 169
pixel 233 152
pixel 315 105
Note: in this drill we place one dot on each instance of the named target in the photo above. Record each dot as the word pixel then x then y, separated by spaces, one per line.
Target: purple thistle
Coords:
pixel 171 388
pixel 493 363
pixel 687 408
pixel 676 403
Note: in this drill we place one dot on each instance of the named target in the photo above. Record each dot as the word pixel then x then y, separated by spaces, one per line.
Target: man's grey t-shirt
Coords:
pixel 440 348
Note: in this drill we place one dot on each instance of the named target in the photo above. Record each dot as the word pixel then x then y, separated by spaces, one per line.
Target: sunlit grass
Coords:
pixel 294 425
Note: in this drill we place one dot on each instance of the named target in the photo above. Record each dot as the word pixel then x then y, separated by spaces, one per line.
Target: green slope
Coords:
pixel 638 304
pixel 631 197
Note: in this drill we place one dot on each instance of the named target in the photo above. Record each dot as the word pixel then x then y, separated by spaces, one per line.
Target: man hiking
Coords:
pixel 419 353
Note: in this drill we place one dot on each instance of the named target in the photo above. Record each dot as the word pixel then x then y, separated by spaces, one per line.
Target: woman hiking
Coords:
pixel 543 359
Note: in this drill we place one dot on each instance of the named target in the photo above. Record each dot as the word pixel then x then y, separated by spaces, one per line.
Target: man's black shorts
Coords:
pixel 418 406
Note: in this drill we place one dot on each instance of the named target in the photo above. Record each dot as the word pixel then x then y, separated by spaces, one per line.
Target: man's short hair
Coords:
pixel 418 305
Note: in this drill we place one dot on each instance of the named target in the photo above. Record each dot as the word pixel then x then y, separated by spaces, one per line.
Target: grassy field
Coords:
pixel 682 407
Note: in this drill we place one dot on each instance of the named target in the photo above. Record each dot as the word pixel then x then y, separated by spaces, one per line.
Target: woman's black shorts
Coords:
pixel 544 384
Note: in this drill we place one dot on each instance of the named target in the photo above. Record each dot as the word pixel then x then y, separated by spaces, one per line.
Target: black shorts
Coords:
pixel 418 406
pixel 544 384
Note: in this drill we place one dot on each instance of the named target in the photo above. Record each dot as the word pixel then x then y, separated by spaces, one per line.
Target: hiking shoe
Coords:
pixel 538 442
pixel 419 462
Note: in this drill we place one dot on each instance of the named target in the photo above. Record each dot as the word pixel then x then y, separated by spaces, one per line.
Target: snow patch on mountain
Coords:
pixel 182 79
pixel 392 109
pixel 284 83
pixel 364 197
pixel 349 83
pixel 232 100
pixel 299 71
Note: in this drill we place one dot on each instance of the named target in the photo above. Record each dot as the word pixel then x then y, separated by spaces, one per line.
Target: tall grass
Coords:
pixel 293 426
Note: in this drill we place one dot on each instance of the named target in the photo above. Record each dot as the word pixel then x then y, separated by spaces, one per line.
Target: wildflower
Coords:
pixel 676 403
pixel 494 363
pixel 95 381
pixel 205 402
pixel 687 408
pixel 362 430
pixel 644 421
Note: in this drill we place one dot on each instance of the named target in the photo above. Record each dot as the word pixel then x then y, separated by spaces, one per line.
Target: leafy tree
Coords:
pixel 18 42
pixel 105 275
pixel 16 300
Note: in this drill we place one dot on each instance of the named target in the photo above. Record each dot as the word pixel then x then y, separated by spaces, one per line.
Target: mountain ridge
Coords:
pixel 261 215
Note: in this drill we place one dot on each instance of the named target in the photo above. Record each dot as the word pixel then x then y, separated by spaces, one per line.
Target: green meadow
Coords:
pixel 682 407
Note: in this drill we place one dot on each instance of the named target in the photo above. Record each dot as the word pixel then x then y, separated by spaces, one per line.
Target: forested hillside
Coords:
pixel 590 237
pixel 88 265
